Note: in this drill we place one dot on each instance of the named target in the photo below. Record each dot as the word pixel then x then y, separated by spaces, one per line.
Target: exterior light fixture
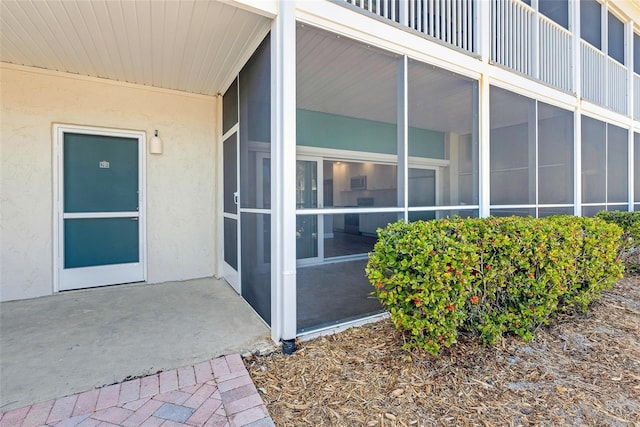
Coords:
pixel 155 144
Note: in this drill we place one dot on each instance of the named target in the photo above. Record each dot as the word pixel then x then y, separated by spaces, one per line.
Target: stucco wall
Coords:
pixel 180 184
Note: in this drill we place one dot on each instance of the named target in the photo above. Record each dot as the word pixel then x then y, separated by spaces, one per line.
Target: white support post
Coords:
pixel 604 47
pixel 482 29
pixel 483 36
pixel 577 164
pixel 628 54
pixel 574 20
pixel 403 136
pixel 535 45
pixel 574 27
pixel 404 12
pixel 532 145
pixel 630 169
pixel 475 144
pixel 484 148
pixel 283 148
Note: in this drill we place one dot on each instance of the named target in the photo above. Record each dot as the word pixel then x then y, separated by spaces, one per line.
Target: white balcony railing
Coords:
pixel 451 21
pixel 448 20
pixel 617 87
pixel 636 96
pixel 530 44
pixel 594 70
pixel 386 8
pixel 604 80
pixel 511 35
pixel 521 39
pixel 555 54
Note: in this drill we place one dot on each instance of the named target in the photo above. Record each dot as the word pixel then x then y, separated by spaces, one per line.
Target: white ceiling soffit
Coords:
pixel 194 46
pixel 337 75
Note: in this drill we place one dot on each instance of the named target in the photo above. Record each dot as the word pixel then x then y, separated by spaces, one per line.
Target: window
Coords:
pixel 512 148
pixel 556 10
pixel 594 165
pixel 254 90
pixel 346 163
pixel 616 38
pixel 349 177
pixel 531 156
pixel 443 141
pixel 617 164
pixel 591 22
pixel 555 155
pixel 604 166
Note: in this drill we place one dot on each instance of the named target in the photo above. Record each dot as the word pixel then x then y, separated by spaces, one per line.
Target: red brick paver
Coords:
pixel 216 393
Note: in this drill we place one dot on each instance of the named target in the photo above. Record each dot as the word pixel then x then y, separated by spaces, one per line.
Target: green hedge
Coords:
pixel 630 224
pixel 489 276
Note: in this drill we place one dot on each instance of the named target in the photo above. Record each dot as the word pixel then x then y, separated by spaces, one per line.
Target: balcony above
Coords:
pixel 527 41
pixel 450 21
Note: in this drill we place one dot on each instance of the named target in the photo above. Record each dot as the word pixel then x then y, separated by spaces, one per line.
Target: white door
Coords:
pixel 99 207
pixel 231 227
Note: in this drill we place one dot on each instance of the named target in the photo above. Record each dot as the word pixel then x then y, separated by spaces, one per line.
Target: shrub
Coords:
pixel 424 282
pixel 489 276
pixel 598 264
pixel 630 224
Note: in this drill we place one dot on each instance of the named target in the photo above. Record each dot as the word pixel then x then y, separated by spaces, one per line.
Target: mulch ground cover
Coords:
pixel 581 370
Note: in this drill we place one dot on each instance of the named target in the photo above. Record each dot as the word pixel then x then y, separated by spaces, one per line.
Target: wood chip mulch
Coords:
pixel 582 370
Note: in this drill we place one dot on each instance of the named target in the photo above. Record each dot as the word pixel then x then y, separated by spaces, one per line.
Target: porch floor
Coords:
pixel 71 342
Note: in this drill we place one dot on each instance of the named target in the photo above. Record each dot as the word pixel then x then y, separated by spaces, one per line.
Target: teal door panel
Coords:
pixel 100 241
pixel 100 173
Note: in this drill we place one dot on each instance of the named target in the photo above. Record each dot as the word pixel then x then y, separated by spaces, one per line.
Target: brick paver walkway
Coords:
pixel 214 393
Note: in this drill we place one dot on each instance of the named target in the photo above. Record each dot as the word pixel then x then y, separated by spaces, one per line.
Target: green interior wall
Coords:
pixel 324 130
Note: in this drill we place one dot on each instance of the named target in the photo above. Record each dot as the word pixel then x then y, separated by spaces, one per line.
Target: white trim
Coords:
pixel 443 208
pixel 341 327
pixel 99 276
pixel 605 204
pixel 603 114
pixel 400 209
pixel 367 156
pixel 314 262
pixel 231 131
pixel 283 173
pixel 101 80
pixel 504 79
pixel 336 211
pixel 255 211
pixel 111 274
pixel 219 205
pixel 266 8
pixel 74 215
pixel 532 206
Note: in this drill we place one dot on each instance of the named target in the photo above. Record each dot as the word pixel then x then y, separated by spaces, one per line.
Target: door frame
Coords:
pixel 58 132
pixel 227 272
pixel 319 160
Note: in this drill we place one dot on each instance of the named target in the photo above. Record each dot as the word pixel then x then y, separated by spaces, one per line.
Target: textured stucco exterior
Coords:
pixel 180 184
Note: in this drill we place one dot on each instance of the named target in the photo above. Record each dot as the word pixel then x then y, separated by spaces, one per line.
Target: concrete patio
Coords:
pixel 76 341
